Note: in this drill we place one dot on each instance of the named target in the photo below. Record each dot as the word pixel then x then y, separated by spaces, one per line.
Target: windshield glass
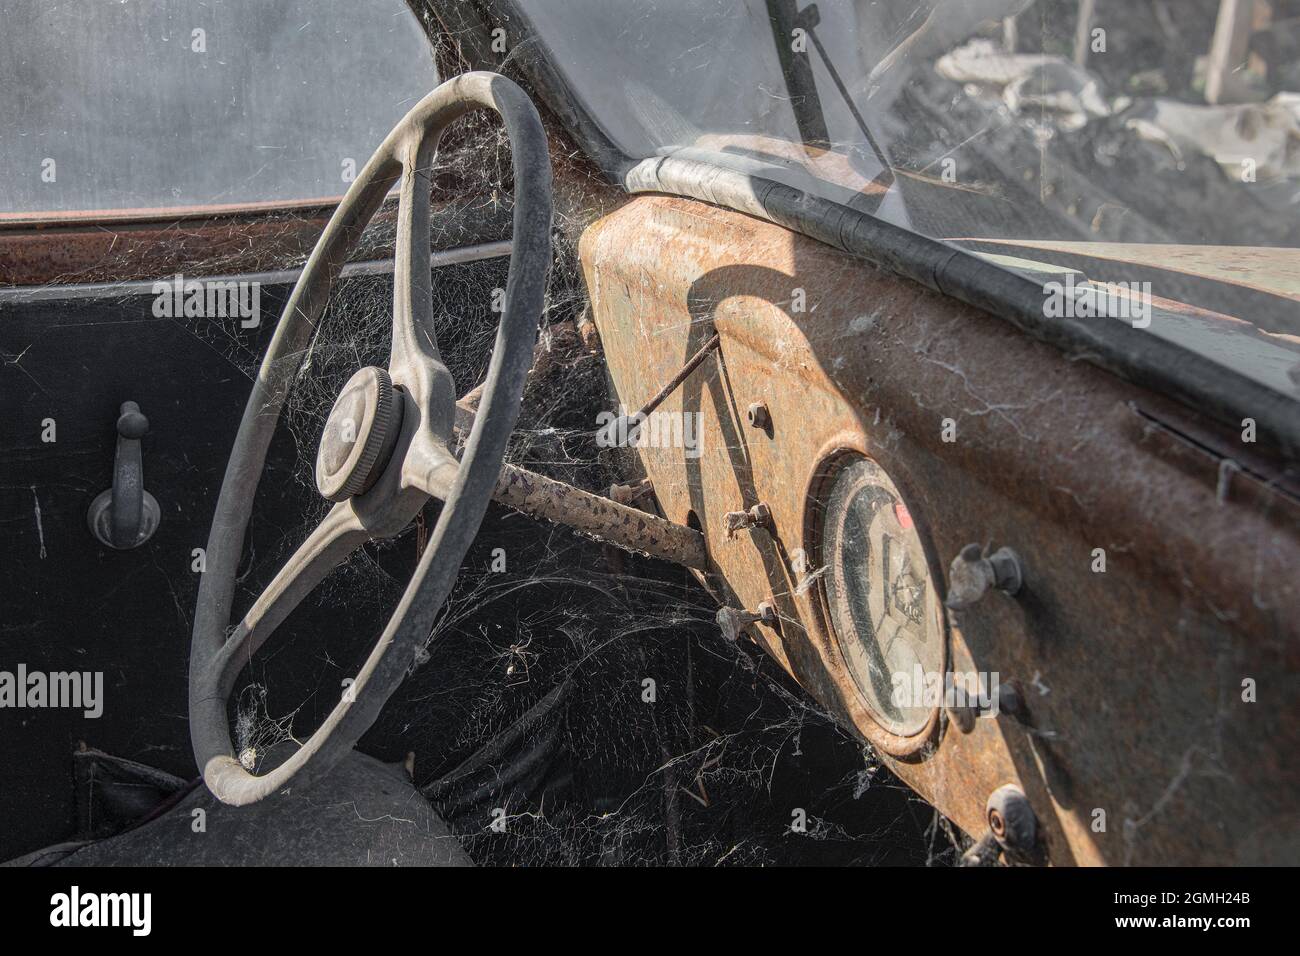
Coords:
pixel 1138 158
pixel 112 108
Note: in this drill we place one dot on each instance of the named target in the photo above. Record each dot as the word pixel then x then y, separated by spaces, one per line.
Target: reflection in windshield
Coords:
pixel 1108 143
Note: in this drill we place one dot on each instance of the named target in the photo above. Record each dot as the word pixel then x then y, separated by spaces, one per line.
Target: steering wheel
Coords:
pixel 386 447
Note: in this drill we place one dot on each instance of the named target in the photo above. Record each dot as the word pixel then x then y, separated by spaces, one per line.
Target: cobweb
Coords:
pixel 579 706
pixel 730 764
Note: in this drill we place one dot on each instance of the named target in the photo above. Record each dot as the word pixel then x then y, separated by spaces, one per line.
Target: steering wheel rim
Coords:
pixel 419 411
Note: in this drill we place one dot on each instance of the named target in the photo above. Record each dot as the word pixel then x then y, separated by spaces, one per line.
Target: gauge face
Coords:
pixel 881 602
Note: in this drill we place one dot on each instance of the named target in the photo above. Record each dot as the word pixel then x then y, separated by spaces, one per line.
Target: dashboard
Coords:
pixel 890 438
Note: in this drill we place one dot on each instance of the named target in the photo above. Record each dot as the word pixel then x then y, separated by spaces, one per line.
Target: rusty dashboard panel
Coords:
pixel 868 432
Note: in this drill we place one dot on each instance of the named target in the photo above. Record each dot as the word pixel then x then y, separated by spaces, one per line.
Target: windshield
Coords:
pixel 119 108
pixel 1137 158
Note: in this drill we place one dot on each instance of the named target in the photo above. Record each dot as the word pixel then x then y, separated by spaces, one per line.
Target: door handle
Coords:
pixel 126 516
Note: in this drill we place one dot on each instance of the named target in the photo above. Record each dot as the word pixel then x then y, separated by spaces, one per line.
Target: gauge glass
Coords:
pixel 882 604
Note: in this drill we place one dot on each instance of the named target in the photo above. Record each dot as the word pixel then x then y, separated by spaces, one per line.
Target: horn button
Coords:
pixel 359 435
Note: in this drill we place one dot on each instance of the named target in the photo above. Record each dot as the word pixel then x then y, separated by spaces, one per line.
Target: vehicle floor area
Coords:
pixel 365 813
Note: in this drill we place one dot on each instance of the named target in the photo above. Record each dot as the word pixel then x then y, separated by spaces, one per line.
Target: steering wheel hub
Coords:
pixel 359 435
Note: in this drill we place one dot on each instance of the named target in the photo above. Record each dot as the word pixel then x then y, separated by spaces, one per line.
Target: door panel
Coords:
pixel 71 359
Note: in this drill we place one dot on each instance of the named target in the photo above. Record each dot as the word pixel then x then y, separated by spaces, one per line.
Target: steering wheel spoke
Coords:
pixel 429 467
pixel 328 546
pixel 415 363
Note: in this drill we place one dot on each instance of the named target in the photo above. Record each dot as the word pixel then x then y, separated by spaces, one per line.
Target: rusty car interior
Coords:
pixel 669 433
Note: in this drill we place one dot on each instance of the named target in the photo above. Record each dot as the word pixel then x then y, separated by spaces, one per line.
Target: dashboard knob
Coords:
pixel 973 574
pixel 733 620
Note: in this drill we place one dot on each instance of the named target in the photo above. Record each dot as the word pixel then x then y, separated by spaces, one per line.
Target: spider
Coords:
pixel 518 655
